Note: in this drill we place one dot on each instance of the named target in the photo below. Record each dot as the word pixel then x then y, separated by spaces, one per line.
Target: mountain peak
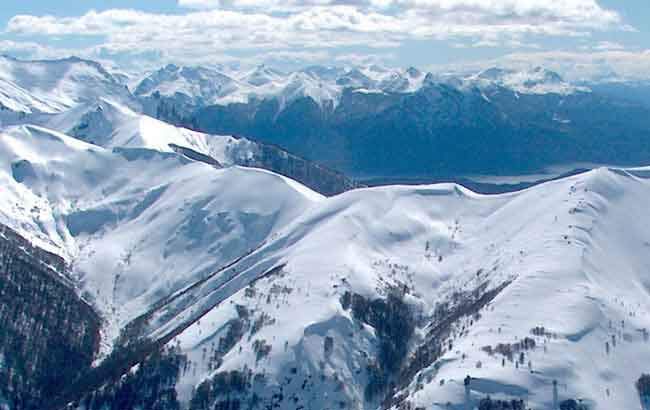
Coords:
pixel 51 86
pixel 536 80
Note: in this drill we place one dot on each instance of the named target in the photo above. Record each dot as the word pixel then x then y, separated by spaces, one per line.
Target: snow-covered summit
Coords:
pixel 262 75
pixel 202 85
pixel 50 86
pixel 537 80
pixel 323 84
pixel 111 125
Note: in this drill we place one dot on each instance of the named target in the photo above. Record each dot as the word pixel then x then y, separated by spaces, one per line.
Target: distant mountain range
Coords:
pixel 377 123
pixel 371 123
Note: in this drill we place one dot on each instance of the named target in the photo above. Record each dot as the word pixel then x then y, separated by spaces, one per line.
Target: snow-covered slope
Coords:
pixel 395 80
pixel 51 86
pixel 376 297
pixel 108 124
pixel 136 224
pixel 418 287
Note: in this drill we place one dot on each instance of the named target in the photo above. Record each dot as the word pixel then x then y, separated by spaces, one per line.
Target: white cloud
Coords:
pixel 34 51
pixel 209 30
pixel 570 15
pixel 21 47
pixel 630 65
pixel 608 46
pixel 566 9
pixel 325 23
pixel 200 4
pixel 364 59
pixel 220 29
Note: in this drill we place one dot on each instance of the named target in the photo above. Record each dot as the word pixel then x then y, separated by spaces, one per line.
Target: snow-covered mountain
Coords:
pixel 156 221
pixel 188 88
pixel 389 296
pixel 229 287
pixel 385 297
pixel 514 123
pixel 262 75
pixel 109 124
pixel 52 86
pixel 201 86
pixel 82 99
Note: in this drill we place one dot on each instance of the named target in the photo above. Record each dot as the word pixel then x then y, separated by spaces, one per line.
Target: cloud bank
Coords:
pixel 272 24
pixel 318 30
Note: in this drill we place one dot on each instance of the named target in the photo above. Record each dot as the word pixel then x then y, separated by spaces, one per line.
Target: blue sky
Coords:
pixel 580 38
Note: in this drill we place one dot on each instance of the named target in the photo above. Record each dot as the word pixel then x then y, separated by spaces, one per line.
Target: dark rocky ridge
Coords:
pixel 317 177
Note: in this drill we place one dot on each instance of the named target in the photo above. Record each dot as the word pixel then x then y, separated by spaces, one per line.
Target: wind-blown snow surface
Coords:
pixel 336 299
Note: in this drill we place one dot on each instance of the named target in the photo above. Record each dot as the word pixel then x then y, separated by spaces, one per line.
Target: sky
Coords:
pixel 578 38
